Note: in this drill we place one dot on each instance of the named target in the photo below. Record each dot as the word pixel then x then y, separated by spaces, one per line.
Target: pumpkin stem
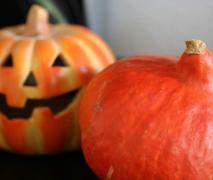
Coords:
pixel 196 63
pixel 195 46
pixel 37 21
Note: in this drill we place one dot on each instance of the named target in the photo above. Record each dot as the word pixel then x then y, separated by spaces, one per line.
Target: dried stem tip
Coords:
pixel 195 46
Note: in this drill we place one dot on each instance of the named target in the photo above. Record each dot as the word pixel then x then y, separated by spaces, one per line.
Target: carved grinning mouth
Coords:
pixel 56 104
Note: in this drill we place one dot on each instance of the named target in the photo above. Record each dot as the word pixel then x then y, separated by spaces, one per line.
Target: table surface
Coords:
pixel 70 165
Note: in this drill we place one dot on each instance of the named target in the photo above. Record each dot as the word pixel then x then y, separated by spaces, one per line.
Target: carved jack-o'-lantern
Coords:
pixel 43 69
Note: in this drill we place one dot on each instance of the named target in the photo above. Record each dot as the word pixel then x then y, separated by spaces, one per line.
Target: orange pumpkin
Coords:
pixel 151 117
pixel 43 70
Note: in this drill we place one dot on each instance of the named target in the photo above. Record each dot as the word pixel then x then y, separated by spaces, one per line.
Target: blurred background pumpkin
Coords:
pixel 66 165
pixel 43 70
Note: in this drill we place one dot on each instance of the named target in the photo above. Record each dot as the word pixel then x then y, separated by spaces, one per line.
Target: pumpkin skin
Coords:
pixel 151 117
pixel 34 49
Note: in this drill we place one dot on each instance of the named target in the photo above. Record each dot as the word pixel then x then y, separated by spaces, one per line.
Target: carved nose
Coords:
pixel 30 81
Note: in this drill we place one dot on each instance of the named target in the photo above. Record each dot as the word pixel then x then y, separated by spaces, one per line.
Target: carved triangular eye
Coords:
pixel 8 62
pixel 59 62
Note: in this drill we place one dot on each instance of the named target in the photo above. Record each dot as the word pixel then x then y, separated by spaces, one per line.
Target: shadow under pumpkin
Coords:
pixel 64 166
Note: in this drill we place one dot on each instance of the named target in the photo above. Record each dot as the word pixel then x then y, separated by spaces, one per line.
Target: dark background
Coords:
pixel 69 165
pixel 14 12
pixel 66 166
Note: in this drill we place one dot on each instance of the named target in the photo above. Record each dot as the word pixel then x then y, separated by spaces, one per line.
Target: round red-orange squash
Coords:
pixel 151 117
pixel 43 70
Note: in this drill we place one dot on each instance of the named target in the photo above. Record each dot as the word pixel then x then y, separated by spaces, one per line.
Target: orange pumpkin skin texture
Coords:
pixel 34 49
pixel 151 117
